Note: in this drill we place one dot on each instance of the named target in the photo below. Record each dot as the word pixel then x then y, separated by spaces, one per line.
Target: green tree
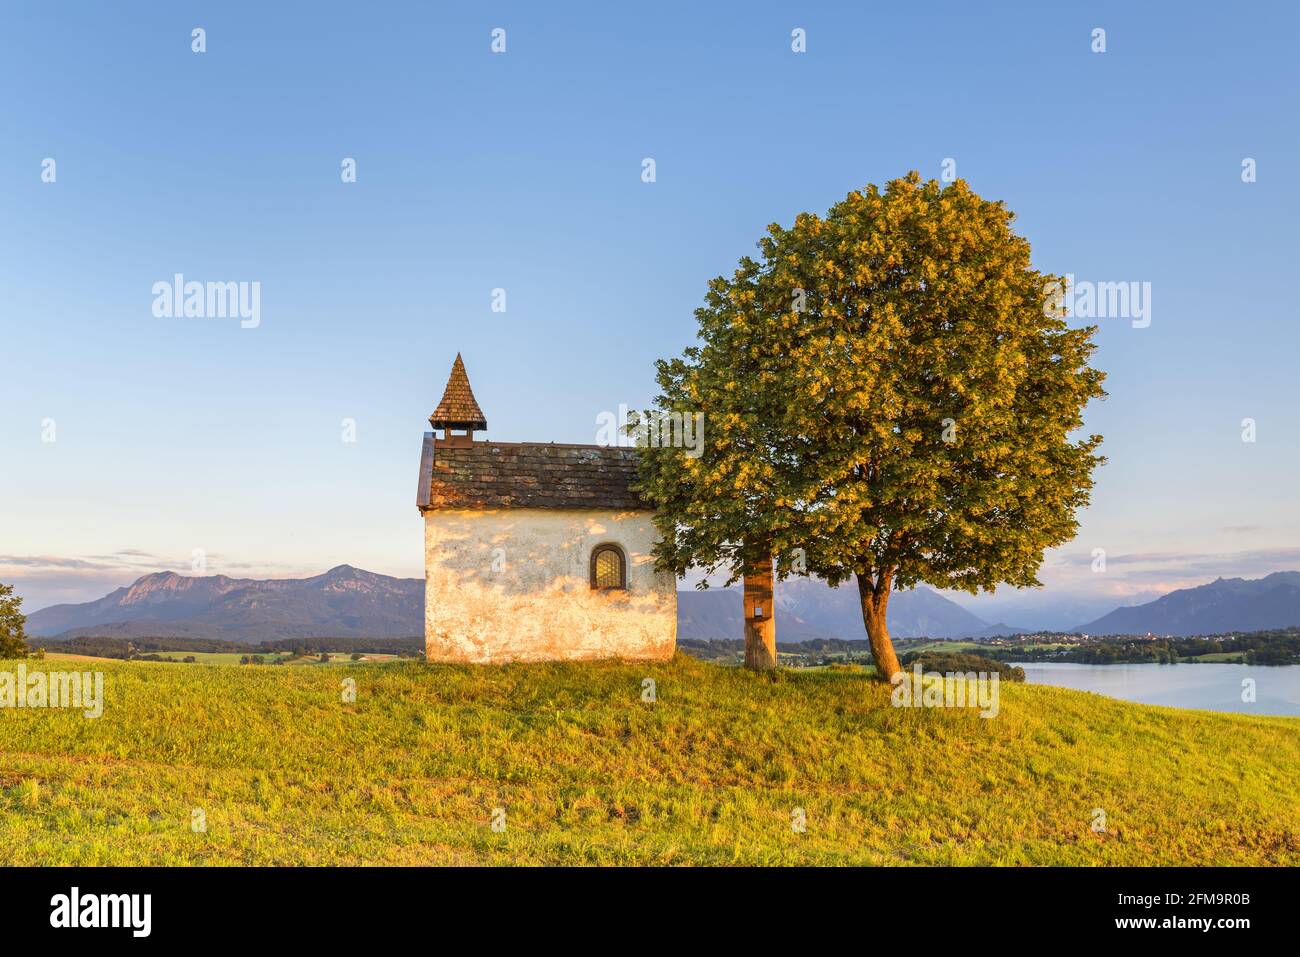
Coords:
pixel 890 394
pixel 13 636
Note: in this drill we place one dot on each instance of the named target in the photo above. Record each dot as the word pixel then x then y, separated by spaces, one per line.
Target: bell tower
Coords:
pixel 458 416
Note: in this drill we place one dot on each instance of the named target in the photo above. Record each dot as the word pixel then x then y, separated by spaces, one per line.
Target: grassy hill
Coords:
pixel 587 772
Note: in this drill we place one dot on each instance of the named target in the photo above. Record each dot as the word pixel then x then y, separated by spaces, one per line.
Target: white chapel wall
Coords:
pixel 513 585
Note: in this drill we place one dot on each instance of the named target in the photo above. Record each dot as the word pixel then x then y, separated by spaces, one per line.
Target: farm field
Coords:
pixel 576 767
pixel 934 645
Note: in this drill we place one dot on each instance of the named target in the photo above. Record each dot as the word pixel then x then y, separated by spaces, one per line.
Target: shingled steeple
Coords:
pixel 458 408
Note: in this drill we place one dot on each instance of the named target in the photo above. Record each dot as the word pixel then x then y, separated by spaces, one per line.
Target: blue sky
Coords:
pixel 522 171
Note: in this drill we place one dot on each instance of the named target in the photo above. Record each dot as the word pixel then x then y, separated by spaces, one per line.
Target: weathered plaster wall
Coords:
pixel 513 585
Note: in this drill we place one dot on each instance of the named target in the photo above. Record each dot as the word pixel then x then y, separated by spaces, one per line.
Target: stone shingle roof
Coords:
pixel 458 408
pixel 527 475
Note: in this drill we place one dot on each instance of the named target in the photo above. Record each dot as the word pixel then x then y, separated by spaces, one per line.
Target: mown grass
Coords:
pixel 587 772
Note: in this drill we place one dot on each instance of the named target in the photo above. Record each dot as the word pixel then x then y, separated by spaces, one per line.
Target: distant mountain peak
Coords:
pixel 349 576
pixel 151 587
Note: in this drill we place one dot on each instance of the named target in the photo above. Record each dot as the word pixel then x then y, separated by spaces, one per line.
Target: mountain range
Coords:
pixel 347 602
pixel 1224 605
pixel 807 609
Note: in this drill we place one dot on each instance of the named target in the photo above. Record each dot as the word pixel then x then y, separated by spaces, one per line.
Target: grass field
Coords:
pixel 975 647
pixel 204 657
pixel 233 658
pixel 712 772
pixel 938 646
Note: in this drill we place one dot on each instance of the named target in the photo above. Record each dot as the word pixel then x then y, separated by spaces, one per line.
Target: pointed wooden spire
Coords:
pixel 458 408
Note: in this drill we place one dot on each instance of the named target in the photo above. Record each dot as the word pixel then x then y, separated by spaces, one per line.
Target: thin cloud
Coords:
pixel 1142 573
pixel 48 561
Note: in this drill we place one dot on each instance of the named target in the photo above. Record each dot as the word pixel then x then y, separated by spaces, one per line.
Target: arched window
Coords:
pixel 608 567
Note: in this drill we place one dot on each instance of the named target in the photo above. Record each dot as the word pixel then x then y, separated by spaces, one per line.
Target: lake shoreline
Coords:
pixel 1226 687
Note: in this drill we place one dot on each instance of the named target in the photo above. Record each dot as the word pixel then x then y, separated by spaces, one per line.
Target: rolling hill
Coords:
pixel 590 773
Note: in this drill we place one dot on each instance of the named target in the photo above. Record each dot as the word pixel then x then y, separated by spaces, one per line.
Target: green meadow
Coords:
pixel 212 764
pixel 937 646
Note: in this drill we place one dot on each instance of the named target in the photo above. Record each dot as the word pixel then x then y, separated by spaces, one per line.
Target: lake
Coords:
pixel 1210 687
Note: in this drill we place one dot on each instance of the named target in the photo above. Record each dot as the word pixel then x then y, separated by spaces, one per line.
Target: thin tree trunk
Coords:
pixel 760 620
pixel 875 602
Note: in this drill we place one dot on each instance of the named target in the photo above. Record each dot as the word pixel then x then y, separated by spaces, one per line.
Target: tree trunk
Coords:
pixel 875 602
pixel 760 620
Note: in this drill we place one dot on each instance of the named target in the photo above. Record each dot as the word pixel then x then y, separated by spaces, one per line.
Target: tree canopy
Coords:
pixel 889 394
pixel 13 636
